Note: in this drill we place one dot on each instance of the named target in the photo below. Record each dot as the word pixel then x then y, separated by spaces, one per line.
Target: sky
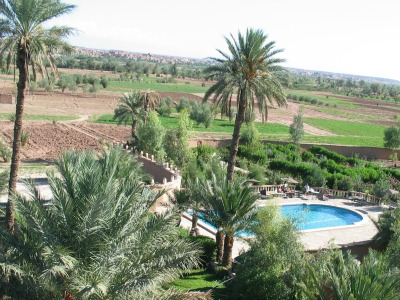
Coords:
pixel 360 37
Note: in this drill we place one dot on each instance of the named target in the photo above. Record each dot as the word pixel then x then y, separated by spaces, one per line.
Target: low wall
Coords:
pixel 362 152
pixel 164 175
pixel 161 174
pixel 6 99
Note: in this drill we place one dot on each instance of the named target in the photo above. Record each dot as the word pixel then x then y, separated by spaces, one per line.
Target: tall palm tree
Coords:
pixel 250 71
pixel 29 43
pixel 230 206
pixel 130 110
pixel 97 240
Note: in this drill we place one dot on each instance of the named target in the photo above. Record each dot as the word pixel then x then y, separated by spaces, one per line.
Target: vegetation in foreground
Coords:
pixel 97 239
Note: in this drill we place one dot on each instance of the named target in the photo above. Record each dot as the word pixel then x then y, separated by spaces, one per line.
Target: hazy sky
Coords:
pixel 347 36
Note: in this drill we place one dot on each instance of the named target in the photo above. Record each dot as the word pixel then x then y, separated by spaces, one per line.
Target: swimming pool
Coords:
pixel 316 216
pixel 313 216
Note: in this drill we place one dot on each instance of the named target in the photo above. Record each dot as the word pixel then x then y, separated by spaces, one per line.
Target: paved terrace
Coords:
pixel 315 239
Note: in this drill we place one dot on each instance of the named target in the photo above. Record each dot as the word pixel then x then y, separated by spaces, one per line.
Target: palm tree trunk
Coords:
pixel 235 138
pixel 195 219
pixel 134 125
pixel 34 71
pixel 9 57
pixel 219 239
pixel 228 246
pixel 12 185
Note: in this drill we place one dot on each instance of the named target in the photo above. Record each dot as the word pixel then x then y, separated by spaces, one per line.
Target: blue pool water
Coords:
pixel 315 216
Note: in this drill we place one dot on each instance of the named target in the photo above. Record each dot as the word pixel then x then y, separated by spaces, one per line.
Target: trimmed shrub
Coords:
pixel 208 246
pixel 307 156
pixel 257 156
pixel 328 154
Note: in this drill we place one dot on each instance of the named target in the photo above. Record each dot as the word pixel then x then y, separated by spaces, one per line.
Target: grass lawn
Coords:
pixel 200 280
pixel 40 117
pixel 151 84
pixel 348 128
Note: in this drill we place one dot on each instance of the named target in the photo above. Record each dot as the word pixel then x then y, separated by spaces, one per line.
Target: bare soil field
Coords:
pixel 47 140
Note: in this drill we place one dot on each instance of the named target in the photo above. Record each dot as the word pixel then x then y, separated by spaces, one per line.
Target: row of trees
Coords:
pixel 123 65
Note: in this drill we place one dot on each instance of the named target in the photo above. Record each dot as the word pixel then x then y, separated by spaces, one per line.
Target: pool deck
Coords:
pixel 315 239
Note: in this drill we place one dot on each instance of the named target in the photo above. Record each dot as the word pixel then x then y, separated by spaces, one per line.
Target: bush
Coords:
pixel 257 172
pixel 5 152
pixel 104 82
pixel 327 153
pixel 307 156
pixel 151 136
pixel 208 247
pixel 184 103
pixel 344 183
pixel 204 152
pixel 316 178
pixel 24 137
pixel 250 134
pixel 274 264
pixel 201 114
pixel 257 156
pixel 165 108
pixel 382 184
pixel 295 169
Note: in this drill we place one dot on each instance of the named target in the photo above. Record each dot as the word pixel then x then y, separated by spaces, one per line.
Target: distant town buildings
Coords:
pixel 139 56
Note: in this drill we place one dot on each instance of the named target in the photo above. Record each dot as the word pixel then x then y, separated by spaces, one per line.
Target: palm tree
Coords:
pixel 150 101
pixel 343 277
pixel 229 205
pixel 130 110
pixel 97 239
pixel 26 40
pixel 250 71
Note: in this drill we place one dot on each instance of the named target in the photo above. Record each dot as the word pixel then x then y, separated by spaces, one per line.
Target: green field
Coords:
pixel 349 133
pixel 217 126
pixel 348 128
pixel 151 84
pixel 28 168
pixel 40 117
pixel 344 140
pixel 346 113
